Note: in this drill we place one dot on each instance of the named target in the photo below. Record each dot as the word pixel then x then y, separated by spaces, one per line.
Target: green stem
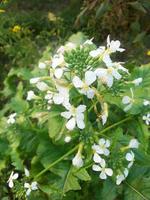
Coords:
pixel 57 161
pixel 139 193
pixel 114 125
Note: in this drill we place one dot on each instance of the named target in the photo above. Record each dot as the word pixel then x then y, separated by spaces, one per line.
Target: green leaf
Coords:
pixel 70 182
pixel 109 190
pixel 56 125
pixel 82 174
pixel 103 8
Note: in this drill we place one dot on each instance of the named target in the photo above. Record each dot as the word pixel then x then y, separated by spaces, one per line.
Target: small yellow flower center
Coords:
pixel 110 70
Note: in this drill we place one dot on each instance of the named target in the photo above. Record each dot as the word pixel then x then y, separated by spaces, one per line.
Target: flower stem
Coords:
pixel 114 125
pixel 57 161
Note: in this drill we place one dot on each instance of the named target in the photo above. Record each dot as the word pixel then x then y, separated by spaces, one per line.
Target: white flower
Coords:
pixel 57 66
pixel 146 102
pixel 137 81
pixel 97 52
pixel 42 65
pixel 114 46
pixel 11 178
pixel 67 139
pixel 128 101
pixel 62 97
pixel 27 173
pixel 133 143
pixel 122 176
pixel 77 160
pixel 97 158
pixel 102 168
pixel 34 80
pixel 42 86
pixel 75 117
pixel 102 147
pixel 90 77
pixel 11 119
pixel 146 118
pixel 104 113
pixel 30 95
pixel 107 75
pixel 30 187
pixel 57 60
pixel 130 158
pixel 117 66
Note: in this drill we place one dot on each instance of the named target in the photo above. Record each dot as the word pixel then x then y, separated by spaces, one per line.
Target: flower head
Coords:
pixel 122 176
pixel 146 118
pixel 102 168
pixel 102 147
pixel 30 187
pixel 84 86
pixel 114 46
pixel 130 158
pixel 146 102
pixel 137 81
pixel 42 65
pixel 11 119
pixel 12 178
pixel 75 117
pixel 133 143
pixel 30 95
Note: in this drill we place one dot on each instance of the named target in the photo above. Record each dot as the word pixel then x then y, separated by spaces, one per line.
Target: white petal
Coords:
pixel 116 74
pixel 130 164
pixel 28 192
pixel 71 124
pixel 107 144
pixel 81 108
pixel 80 124
pixel 42 65
pixel 42 86
pixel 34 185
pixel 90 93
pixel 107 60
pixel 27 185
pixel 11 184
pixel 109 80
pixel 15 176
pixel 120 178
pixel 101 141
pixel 129 157
pixel 103 163
pixel 109 171
pixel 102 175
pixel 128 107
pixel 58 99
pixel 133 143
pixel 126 100
pixel 96 168
pixel 126 172
pixel 58 73
pixel 90 77
pixel 96 158
pixel 66 114
pixel 106 152
pixel 100 72
pixel 77 82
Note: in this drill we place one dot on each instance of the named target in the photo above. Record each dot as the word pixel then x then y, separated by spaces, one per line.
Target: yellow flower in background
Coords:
pixel 51 16
pixel 148 53
pixel 2 11
pixel 16 29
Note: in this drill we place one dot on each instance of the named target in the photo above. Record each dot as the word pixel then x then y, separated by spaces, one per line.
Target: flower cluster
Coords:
pixel 27 186
pixel 102 152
